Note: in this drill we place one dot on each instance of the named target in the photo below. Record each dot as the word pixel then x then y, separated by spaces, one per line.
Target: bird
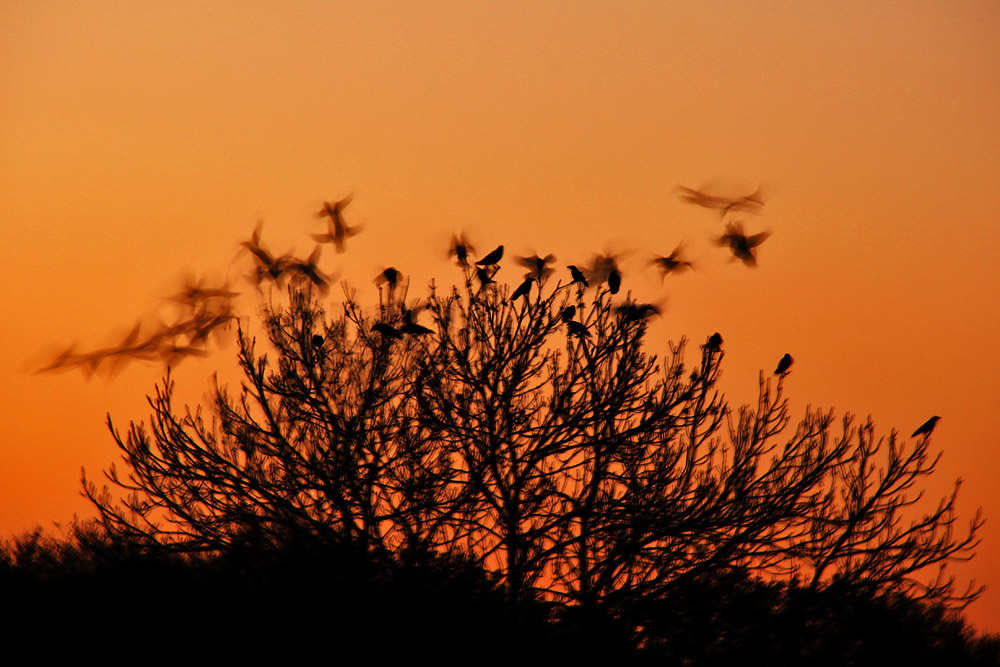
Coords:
pixel 484 276
pixel 714 341
pixel 784 364
pixel 670 263
pixel 751 203
pixel 492 258
pixel 537 266
pixel 389 276
pixel 741 245
pixel 460 249
pixel 410 324
pixel 635 312
pixel 614 281
pixel 577 329
pixel 317 341
pixel 567 313
pixel 309 270
pixel 523 289
pixel 927 427
pixel 386 330
pixel 578 276
pixel 338 231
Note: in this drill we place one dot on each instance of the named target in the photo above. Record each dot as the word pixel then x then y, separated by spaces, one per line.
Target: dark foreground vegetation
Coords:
pixel 297 601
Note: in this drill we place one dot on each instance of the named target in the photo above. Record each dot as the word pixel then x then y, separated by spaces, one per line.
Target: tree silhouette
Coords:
pixel 535 437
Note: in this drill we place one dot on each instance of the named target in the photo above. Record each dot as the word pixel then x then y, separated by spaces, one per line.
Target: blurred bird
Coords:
pixel 317 341
pixel 578 276
pixel 784 364
pixel 634 312
pixel 670 263
pixel 389 276
pixel 927 427
pixel 537 266
pixel 484 276
pixel 308 269
pixel 410 324
pixel 577 329
pixel 567 313
pixel 751 203
pixel 741 245
pixel 460 250
pixel 338 231
pixel 523 289
pixel 492 258
pixel 714 341
pixel 386 330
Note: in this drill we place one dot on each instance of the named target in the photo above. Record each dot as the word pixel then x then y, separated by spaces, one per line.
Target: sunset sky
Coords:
pixel 142 140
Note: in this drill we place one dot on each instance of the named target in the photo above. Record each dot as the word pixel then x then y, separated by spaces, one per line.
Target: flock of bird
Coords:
pixel 207 309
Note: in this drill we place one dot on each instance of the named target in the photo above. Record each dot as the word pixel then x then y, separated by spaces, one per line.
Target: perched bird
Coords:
pixel 338 231
pixel 386 330
pixel 614 281
pixel 460 250
pixel 389 276
pixel 670 263
pixel 577 329
pixel 784 364
pixel 578 276
pixel 523 289
pixel 537 266
pixel 567 313
pixel 927 427
pixel 714 341
pixel 741 245
pixel 492 258
pixel 317 341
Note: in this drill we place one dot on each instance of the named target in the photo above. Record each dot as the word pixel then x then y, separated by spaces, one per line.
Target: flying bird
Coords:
pixel 741 245
pixel 927 427
pixel 460 250
pixel 308 269
pixel 389 276
pixel 386 330
pixel 635 312
pixel 751 203
pixel 784 364
pixel 484 276
pixel 537 266
pixel 671 263
pixel 492 258
pixel 578 276
pixel 338 231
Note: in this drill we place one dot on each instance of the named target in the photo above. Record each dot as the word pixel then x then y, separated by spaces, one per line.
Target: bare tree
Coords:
pixel 536 436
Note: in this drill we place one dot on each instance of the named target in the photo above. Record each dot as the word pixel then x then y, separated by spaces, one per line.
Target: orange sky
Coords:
pixel 140 139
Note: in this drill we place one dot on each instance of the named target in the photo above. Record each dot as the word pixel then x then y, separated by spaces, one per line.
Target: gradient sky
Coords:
pixel 138 140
